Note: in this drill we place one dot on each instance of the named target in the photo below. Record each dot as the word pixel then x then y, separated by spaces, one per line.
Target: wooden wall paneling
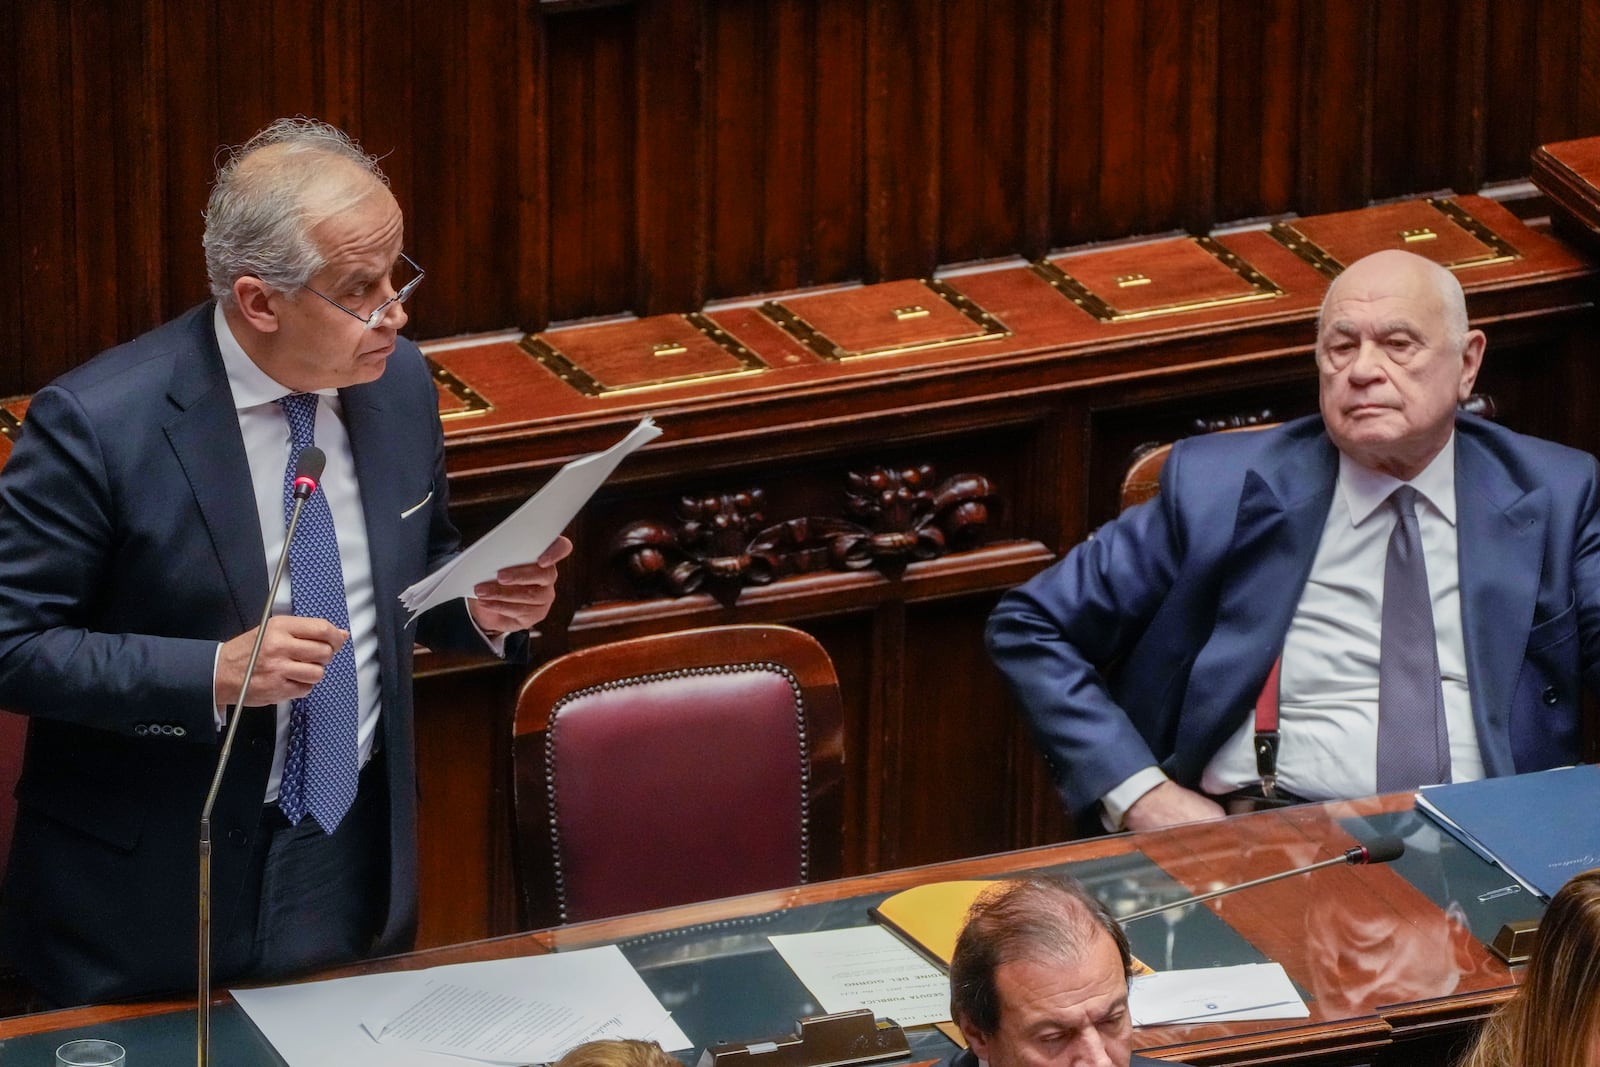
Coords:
pixel 1427 75
pixel 1586 100
pixel 670 179
pixel 486 169
pixel 785 203
pixel 953 773
pixel 838 179
pixel 904 125
pixel 1509 89
pixel 891 754
pixel 1258 111
pixel 983 128
pixel 100 152
pixel 1193 41
pixel 249 92
pixel 296 51
pixel 185 99
pixel 531 156
pixel 1035 80
pixel 1126 118
pixel 846 637
pixel 1337 96
pixel 12 262
pixel 1556 66
pixel 139 59
pixel 590 102
pixel 380 60
pixel 46 220
pixel 446 184
pixel 739 152
pixel 1079 128
pixel 339 75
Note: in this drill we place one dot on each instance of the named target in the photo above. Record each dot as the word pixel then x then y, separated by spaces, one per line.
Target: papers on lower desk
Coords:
pixel 532 528
pixel 517 1011
pixel 867 967
pixel 1215 994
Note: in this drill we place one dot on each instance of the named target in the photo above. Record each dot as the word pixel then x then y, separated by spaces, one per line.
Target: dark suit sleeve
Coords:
pixel 1057 636
pixel 59 536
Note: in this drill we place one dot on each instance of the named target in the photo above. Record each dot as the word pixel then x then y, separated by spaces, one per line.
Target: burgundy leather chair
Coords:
pixel 676 768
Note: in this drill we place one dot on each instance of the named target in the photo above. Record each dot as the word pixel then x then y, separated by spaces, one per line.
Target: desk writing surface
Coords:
pixel 1375 950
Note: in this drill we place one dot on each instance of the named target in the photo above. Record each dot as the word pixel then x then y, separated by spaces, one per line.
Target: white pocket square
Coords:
pixel 414 508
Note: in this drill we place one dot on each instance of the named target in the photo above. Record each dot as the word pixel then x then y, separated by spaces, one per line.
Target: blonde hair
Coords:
pixel 618 1052
pixel 1553 1020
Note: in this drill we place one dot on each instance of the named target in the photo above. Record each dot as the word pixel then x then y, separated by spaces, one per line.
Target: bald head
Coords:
pixel 1394 358
pixel 270 195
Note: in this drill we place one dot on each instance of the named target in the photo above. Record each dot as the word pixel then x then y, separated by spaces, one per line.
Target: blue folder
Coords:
pixel 1542 828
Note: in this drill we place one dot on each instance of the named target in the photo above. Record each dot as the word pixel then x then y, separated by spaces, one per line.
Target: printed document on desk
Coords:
pixel 532 528
pixel 867 967
pixel 515 1011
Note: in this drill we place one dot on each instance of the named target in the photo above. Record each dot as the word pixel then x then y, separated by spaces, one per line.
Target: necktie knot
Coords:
pixel 300 409
pixel 1404 499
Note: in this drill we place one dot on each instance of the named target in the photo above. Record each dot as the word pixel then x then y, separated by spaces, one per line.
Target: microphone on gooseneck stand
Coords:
pixel 1381 850
pixel 307 472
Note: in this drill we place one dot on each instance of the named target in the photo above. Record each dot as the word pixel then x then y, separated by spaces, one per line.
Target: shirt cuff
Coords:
pixel 1120 798
pixel 497 643
pixel 219 712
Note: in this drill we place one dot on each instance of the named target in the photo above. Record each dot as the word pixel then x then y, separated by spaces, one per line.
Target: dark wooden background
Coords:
pixel 562 160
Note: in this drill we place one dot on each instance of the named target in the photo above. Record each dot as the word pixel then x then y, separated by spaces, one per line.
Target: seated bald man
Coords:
pixel 1422 586
pixel 1039 978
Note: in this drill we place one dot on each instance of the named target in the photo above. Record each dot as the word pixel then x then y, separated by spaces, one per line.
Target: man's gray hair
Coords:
pixel 1036 917
pixel 269 195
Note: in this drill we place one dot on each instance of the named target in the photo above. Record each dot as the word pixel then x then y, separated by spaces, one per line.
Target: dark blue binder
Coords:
pixel 1542 828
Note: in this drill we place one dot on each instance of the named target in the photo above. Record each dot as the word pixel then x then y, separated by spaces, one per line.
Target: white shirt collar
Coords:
pixel 250 384
pixel 1365 490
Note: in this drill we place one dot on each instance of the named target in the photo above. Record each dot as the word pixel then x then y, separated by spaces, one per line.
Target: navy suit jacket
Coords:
pixel 129 547
pixel 1148 643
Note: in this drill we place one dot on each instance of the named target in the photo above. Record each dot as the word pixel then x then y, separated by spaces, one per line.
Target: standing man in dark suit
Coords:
pixel 140 515
pixel 1429 582
pixel 1039 978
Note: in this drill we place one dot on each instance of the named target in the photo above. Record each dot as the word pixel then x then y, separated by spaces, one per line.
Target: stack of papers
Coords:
pixel 1215 994
pixel 517 1011
pixel 867 967
pixel 528 531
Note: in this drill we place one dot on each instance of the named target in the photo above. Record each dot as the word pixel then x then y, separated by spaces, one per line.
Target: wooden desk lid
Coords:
pixel 1156 278
pixel 885 319
pixel 1438 229
pixel 643 354
pixel 1568 172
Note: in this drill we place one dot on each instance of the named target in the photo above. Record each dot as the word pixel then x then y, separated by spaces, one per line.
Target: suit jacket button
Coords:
pixel 179 731
pixel 237 836
pixel 1550 696
pixel 140 729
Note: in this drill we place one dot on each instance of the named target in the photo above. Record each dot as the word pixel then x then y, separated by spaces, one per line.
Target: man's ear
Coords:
pixel 977 1040
pixel 1471 362
pixel 254 300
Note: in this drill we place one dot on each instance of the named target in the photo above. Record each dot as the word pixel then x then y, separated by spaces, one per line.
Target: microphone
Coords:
pixel 1380 850
pixel 307 472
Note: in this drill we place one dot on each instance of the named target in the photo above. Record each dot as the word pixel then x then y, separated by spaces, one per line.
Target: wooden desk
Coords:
pixel 1391 976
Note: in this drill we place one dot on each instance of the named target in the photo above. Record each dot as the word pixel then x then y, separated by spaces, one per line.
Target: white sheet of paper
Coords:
pixel 867 967
pixel 532 528
pixel 1215 994
pixel 317 1023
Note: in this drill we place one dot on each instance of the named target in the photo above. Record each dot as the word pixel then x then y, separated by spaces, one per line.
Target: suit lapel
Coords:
pixel 377 464
pixel 1283 507
pixel 205 437
pixel 1500 536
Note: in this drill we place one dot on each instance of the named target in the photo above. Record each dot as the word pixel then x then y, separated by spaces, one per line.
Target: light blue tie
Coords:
pixel 320 771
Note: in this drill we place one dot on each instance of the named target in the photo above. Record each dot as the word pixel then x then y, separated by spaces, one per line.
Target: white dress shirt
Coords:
pixel 1328 691
pixel 267 444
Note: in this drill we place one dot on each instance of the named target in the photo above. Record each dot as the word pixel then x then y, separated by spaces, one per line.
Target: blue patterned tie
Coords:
pixel 319 771
pixel 1413 740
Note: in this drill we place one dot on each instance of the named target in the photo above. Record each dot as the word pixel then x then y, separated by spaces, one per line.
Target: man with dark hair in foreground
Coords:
pixel 1040 977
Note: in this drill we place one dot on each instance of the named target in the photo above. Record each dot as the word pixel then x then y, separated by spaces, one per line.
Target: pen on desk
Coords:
pixel 1495 894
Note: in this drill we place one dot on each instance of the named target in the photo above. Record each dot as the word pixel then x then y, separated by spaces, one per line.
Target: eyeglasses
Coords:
pixel 375 316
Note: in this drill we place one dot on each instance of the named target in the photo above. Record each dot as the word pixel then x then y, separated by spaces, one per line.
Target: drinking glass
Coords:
pixel 91 1052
